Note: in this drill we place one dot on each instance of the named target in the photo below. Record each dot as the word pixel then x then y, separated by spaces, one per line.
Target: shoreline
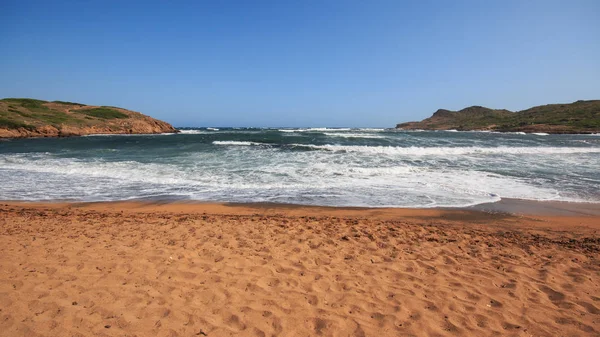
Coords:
pixel 59 136
pixel 537 207
pixel 507 213
pixel 510 206
pixel 540 132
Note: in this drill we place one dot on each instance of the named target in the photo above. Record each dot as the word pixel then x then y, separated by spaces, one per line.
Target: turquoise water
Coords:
pixel 319 166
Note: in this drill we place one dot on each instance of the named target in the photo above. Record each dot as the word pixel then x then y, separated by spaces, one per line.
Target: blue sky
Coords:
pixel 300 63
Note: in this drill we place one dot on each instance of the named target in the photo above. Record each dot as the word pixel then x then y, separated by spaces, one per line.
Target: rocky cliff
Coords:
pixel 25 117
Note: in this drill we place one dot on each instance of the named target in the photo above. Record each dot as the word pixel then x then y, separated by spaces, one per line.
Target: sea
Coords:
pixel 308 166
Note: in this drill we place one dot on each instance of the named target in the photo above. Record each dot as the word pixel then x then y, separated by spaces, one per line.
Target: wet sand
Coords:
pixel 547 208
pixel 189 269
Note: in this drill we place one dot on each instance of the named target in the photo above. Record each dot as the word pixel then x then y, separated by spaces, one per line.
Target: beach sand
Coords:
pixel 176 269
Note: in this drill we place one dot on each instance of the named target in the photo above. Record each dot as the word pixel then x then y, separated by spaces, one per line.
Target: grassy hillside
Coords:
pixel 577 117
pixel 33 117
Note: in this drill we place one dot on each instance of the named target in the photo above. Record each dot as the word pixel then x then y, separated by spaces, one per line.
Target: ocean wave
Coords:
pixel 540 133
pixel 328 129
pixel 238 143
pixel 123 170
pixel 220 131
pixel 324 167
pixel 316 130
pixel 311 177
pixel 444 151
pixel 192 132
pixel 198 131
pixel 352 135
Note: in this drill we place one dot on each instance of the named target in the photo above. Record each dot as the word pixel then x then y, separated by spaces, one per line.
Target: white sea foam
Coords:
pixel 439 170
pixel 212 129
pixel 237 143
pixel 316 130
pixel 299 177
pixel 192 132
pixel 352 135
pixel 329 129
pixel 445 151
pixel 540 134
pixel 308 174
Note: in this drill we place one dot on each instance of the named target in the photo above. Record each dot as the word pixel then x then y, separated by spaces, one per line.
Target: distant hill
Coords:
pixel 26 117
pixel 577 117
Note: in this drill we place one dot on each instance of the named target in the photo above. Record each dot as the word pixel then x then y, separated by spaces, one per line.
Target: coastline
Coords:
pixel 187 268
pixel 544 208
pixel 509 206
pixel 6 134
pixel 507 131
pixel 555 215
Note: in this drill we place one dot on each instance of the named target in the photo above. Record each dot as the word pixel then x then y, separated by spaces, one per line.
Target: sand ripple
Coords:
pixel 82 272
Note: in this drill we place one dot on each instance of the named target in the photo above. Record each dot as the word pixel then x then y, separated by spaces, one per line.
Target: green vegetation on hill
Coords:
pixel 10 124
pixel 34 112
pixel 577 117
pixel 104 113
pixel 68 103
pixel 26 117
pixel 22 112
pixel 580 115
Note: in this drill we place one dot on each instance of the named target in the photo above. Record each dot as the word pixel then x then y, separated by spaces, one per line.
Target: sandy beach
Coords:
pixel 175 269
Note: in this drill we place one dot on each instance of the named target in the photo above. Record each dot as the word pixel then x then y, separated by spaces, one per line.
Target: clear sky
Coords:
pixel 300 63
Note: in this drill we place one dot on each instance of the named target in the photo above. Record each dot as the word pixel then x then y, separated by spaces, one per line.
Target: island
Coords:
pixel 577 117
pixel 26 117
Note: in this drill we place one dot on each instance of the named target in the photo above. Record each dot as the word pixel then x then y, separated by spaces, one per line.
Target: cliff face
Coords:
pixel 577 117
pixel 23 117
